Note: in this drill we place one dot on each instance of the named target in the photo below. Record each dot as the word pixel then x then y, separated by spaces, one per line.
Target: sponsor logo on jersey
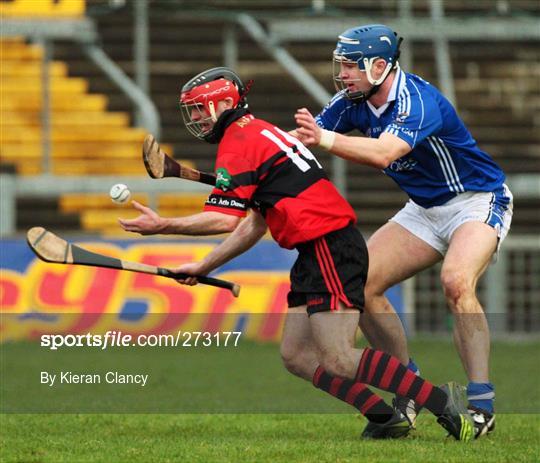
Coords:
pixel 400 165
pixel 408 132
pixel 223 179
pixel 397 126
pixel 400 118
pixel 373 131
pixel 227 202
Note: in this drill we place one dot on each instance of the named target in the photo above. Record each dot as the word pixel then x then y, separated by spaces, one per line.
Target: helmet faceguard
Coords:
pixel 363 46
pixel 200 97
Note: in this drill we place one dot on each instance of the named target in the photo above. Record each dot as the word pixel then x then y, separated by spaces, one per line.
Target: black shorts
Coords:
pixel 330 269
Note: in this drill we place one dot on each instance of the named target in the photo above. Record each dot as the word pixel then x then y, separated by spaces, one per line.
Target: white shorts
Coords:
pixel 436 225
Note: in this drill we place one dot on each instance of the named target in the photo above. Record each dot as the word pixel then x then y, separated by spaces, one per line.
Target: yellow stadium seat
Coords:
pixel 174 201
pixel 76 134
pixel 85 138
pixel 19 53
pixel 79 167
pixel 26 151
pixel 65 119
pixel 97 167
pixel 96 220
pixel 60 102
pixel 76 202
pixel 30 85
pixel 181 211
pixel 106 218
pixel 43 8
pixel 32 69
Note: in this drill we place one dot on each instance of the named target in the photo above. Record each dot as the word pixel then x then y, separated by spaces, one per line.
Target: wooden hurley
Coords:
pixel 51 248
pixel 159 165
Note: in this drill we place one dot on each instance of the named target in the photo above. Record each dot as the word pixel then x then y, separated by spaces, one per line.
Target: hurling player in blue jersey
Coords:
pixel 459 209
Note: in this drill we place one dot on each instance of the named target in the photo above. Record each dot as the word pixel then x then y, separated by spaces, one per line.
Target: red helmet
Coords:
pixel 211 93
pixel 203 92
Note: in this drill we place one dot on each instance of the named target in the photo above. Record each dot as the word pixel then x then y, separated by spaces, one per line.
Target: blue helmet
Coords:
pixel 363 45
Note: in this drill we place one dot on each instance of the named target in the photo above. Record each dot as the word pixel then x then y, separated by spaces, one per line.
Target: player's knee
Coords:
pixel 457 285
pixel 291 356
pixel 374 288
pixel 337 365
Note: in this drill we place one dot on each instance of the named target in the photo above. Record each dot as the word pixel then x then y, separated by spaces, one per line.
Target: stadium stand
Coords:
pixel 86 139
pixel 81 126
pixel 497 87
pixel 98 214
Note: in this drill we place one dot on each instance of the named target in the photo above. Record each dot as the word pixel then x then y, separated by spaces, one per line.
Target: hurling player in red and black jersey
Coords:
pixel 267 171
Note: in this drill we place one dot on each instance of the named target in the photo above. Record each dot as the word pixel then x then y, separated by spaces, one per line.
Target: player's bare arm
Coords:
pixel 204 223
pixel 375 152
pixel 248 232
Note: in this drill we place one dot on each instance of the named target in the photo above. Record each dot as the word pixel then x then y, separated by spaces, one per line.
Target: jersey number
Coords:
pixel 298 160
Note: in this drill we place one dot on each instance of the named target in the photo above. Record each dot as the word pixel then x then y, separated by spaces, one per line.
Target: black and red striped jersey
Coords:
pixel 261 166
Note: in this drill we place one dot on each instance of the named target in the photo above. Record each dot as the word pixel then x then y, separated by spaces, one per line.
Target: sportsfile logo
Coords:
pixel 181 339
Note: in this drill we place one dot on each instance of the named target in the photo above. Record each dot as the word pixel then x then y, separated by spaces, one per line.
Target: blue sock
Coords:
pixel 413 367
pixel 481 395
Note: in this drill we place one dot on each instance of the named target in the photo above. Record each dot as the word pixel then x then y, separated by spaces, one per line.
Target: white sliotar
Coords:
pixel 120 193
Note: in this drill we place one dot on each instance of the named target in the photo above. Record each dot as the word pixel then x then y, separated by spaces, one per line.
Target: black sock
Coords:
pixel 373 407
pixel 387 373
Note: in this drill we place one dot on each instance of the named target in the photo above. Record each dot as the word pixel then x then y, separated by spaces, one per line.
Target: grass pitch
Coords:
pixel 290 437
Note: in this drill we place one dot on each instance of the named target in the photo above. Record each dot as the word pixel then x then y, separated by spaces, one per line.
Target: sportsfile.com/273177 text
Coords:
pixel 118 339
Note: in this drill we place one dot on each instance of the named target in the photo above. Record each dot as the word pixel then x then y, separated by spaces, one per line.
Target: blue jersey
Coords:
pixel 445 159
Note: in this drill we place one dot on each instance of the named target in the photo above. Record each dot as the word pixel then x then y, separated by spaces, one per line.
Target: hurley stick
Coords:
pixel 159 165
pixel 51 248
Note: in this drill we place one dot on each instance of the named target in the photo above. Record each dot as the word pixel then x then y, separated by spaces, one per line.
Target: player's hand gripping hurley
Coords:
pixel 159 165
pixel 51 248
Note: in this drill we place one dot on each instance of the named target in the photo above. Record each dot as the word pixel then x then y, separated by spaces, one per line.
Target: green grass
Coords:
pixel 284 438
pixel 287 437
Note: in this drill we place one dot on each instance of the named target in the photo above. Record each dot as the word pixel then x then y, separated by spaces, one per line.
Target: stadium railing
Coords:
pixel 510 292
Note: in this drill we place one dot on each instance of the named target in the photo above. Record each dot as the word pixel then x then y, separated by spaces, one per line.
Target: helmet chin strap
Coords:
pixel 368 63
pixel 364 96
pixel 212 111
